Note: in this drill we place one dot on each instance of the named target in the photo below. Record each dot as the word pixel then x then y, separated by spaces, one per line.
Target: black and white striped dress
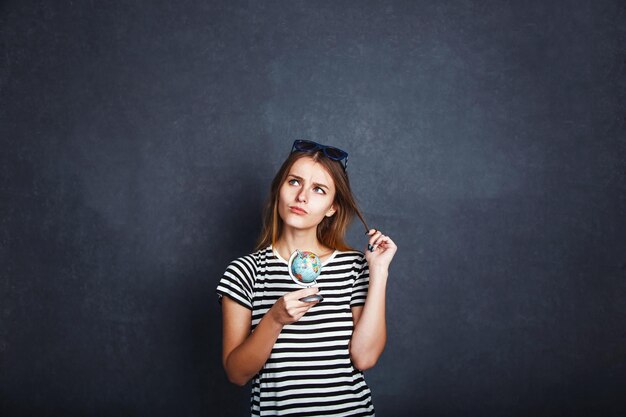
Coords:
pixel 309 372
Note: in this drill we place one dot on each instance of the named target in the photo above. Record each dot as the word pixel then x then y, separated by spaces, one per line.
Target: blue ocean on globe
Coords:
pixel 305 266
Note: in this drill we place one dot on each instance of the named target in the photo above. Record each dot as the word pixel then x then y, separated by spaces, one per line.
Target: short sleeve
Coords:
pixel 237 282
pixel 361 282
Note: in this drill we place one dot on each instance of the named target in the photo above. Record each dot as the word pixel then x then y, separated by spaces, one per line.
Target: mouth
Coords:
pixel 297 210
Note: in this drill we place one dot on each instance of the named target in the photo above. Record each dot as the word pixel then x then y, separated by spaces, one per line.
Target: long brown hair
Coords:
pixel 332 230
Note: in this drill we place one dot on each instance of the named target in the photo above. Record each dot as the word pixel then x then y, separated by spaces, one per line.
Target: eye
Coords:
pixel 319 190
pixel 293 181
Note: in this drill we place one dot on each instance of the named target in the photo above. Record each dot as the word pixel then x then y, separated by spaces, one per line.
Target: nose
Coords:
pixel 302 197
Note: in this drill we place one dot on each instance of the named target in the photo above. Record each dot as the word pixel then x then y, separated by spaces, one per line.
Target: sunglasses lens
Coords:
pixel 336 154
pixel 306 145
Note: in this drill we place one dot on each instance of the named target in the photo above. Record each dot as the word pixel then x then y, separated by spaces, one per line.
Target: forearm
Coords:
pixel 370 333
pixel 245 361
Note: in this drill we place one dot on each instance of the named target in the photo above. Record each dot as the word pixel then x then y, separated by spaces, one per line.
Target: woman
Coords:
pixel 307 357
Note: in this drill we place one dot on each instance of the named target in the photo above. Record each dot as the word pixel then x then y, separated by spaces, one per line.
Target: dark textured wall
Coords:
pixel 487 138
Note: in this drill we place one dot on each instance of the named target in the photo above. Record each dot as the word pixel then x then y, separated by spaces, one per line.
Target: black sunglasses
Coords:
pixel 331 152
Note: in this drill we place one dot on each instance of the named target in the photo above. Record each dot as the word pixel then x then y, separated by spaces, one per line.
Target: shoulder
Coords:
pixel 239 278
pixel 250 263
pixel 351 253
pixel 354 258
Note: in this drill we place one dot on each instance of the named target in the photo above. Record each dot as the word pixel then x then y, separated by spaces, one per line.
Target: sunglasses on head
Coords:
pixel 331 152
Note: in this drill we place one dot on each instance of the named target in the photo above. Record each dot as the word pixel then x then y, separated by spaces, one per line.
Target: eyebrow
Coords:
pixel 315 183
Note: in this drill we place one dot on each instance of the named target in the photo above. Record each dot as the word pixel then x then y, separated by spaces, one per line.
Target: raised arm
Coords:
pixel 370 328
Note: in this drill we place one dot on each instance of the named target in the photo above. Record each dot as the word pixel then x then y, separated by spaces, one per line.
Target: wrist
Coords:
pixel 273 319
pixel 378 271
pixel 377 284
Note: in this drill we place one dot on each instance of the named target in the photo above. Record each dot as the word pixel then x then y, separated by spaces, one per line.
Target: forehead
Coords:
pixel 312 171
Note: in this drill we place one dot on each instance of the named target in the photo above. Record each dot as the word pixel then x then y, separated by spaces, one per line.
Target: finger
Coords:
pixel 296 307
pixel 389 241
pixel 302 312
pixel 369 232
pixel 386 243
pixel 296 314
pixel 372 240
pixel 382 240
pixel 301 309
pixel 311 296
pixel 295 295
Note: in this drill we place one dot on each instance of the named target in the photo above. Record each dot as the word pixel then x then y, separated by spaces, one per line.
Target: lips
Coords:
pixel 297 210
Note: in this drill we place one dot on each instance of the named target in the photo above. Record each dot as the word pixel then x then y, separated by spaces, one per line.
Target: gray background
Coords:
pixel 486 137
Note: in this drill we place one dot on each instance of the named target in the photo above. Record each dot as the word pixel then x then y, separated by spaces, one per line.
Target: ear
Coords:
pixel 331 211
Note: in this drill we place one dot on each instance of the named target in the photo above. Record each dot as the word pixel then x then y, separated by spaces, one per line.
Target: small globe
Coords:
pixel 305 267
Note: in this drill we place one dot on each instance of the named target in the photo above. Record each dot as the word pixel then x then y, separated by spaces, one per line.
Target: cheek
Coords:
pixel 324 206
pixel 282 194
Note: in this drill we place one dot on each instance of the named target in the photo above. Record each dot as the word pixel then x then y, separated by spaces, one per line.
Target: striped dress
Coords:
pixel 309 371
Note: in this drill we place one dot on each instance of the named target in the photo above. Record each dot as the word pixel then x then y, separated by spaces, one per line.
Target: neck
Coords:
pixel 292 239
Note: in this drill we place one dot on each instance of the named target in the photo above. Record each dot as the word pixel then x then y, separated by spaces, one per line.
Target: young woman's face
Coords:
pixel 307 195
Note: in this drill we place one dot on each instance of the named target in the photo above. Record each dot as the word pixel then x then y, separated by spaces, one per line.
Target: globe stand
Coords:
pixel 309 280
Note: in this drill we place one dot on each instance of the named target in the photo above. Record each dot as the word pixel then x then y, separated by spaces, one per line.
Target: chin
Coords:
pixel 298 225
pixel 296 222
